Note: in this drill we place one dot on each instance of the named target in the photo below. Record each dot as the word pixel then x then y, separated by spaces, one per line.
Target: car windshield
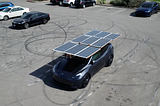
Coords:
pixel 146 5
pixel 6 9
pixel 26 16
pixel 74 63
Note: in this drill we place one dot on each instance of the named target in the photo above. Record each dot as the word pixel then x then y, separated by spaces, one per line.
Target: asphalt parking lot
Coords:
pixel 26 58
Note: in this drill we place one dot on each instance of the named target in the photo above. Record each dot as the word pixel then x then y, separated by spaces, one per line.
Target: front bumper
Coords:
pixel 69 82
pixel 17 25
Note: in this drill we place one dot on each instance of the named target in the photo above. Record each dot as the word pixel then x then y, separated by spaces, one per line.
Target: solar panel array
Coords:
pixel 88 44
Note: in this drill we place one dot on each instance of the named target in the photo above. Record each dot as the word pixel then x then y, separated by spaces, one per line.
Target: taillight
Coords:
pixel 80 2
pixel 67 0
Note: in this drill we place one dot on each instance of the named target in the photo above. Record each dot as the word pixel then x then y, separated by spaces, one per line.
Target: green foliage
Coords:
pixel 128 3
pixel 101 1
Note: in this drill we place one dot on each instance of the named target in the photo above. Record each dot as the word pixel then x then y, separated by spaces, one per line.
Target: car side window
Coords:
pixel 19 9
pixel 154 4
pixel 34 16
pixel 96 55
pixel 99 53
pixel 14 9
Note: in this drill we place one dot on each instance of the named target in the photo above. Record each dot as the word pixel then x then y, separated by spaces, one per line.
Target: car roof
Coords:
pixel 33 12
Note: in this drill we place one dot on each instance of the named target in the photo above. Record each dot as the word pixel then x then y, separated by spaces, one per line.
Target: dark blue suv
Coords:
pixel 4 5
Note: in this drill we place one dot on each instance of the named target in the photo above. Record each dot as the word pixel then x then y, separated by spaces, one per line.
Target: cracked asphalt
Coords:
pixel 26 58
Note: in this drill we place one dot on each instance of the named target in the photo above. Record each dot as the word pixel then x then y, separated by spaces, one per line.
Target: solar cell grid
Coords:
pixel 88 44
pixel 88 52
pixel 80 39
pixel 100 43
pixel 102 34
pixel 94 32
pixel 90 40
pixel 113 36
pixel 75 49
pixel 65 47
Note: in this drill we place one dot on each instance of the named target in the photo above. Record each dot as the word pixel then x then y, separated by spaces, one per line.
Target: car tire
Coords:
pixel 26 25
pixel 60 3
pixel 84 6
pixel 110 60
pixel 45 21
pixel 93 4
pixel 6 18
pixel 24 13
pixel 71 4
pixel 86 80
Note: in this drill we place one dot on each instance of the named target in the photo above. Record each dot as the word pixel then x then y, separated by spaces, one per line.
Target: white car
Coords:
pixel 69 2
pixel 14 11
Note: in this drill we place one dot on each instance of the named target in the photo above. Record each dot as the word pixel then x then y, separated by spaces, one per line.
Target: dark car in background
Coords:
pixel 4 5
pixel 147 8
pixel 84 3
pixel 59 2
pixel 30 19
pixel 77 71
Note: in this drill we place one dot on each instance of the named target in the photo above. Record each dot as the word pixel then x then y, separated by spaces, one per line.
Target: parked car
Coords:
pixel 84 3
pixel 11 12
pixel 31 18
pixel 147 8
pixel 57 2
pixel 4 5
pixel 77 71
pixel 69 2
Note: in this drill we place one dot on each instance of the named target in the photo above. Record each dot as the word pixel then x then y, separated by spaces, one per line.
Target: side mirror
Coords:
pixel 91 62
pixel 31 18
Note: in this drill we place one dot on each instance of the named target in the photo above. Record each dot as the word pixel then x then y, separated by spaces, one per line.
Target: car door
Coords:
pixel 13 12
pixel 96 62
pixel 34 19
pixel 155 7
pixel 20 11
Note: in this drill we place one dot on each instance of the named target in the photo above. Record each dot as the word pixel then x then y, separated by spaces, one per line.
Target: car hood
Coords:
pixel 3 13
pixel 19 20
pixel 143 9
pixel 62 69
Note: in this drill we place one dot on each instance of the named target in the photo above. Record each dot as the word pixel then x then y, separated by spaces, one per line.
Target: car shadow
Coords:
pixel 44 73
pixel 133 14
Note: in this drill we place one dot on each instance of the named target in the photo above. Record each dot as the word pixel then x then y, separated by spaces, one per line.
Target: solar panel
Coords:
pixel 89 51
pixel 65 47
pixel 75 49
pixel 94 32
pixel 102 34
pixel 80 39
pixel 113 36
pixel 90 40
pixel 101 42
pixel 86 45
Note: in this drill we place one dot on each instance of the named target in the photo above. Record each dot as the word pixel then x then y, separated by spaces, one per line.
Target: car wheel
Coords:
pixel 93 4
pixel 71 4
pixel 85 80
pixel 110 60
pixel 84 6
pixel 5 18
pixel 24 13
pixel 60 3
pixel 26 25
pixel 45 21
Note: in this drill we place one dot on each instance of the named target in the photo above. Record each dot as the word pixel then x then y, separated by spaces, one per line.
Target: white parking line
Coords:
pixel 118 11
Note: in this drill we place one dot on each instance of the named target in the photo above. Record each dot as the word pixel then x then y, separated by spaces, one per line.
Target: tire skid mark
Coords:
pixel 117 66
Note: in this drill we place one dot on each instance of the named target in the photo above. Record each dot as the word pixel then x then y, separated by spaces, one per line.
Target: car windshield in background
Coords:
pixel 146 5
pixel 26 16
pixel 7 10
